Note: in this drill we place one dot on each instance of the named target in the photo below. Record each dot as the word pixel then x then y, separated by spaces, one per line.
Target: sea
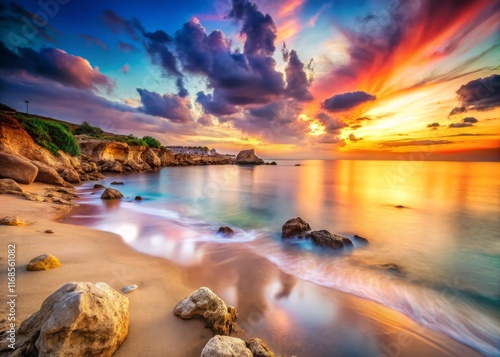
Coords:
pixel 431 270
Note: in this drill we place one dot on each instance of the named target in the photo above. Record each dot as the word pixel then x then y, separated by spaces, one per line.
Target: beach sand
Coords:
pixel 265 298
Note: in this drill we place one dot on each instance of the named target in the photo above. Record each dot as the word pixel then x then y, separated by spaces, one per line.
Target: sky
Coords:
pixel 303 79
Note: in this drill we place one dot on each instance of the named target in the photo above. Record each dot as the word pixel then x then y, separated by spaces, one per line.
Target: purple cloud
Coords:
pixel 346 101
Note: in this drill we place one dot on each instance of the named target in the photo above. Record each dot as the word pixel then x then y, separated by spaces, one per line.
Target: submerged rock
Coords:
pixel 43 262
pixel 111 194
pixel 294 227
pixel 79 319
pixel 360 240
pixel 12 221
pixel 248 157
pixel 258 348
pixel 225 231
pixel 138 198
pixel 324 238
pixel 117 183
pixel 400 206
pixel 98 185
pixel 206 304
pixel 225 346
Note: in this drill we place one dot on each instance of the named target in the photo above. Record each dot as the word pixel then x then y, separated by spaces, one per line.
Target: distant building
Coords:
pixel 193 150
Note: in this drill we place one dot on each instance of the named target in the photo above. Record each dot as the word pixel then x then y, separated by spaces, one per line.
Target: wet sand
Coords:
pixel 292 316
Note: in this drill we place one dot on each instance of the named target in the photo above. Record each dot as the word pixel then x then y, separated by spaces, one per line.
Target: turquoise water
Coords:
pixel 446 239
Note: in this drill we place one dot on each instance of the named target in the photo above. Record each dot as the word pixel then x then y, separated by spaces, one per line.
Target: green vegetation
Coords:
pixel 86 128
pixel 52 136
pixel 151 142
pixel 132 140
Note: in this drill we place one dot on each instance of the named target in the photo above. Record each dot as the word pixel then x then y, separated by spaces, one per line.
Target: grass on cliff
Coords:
pixel 52 136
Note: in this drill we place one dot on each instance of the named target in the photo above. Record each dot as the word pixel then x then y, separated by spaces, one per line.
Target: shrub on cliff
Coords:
pixel 151 142
pixel 52 136
pixel 86 128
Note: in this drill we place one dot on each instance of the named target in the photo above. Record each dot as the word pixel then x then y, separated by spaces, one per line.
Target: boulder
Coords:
pixel 17 168
pixel 248 157
pixel 294 227
pixel 43 262
pixel 138 198
pixel 12 221
pixel 111 194
pixel 323 238
pixel 149 156
pixel 47 174
pixel 296 165
pixel 258 348
pixel 117 183
pixel 225 231
pixel 206 304
pixel 70 175
pixel 360 240
pixel 79 319
pixel 9 186
pixel 98 185
pixel 225 346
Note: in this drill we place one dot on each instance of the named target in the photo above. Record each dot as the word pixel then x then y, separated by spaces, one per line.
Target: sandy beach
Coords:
pixel 263 295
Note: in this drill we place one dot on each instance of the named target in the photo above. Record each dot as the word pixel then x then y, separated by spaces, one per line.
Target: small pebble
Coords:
pixel 49 231
pixel 129 288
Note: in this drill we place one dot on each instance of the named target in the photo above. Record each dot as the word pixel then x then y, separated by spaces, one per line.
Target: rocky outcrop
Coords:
pixel 9 186
pixel 360 240
pixel 43 262
pixel 258 348
pixel 206 304
pixel 295 227
pixel 111 194
pixel 248 157
pixel 225 346
pixel 323 238
pixel 17 168
pixel 47 174
pixel 225 231
pixel 79 319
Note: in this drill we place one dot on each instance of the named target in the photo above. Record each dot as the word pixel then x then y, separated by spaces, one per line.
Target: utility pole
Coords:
pixel 27 102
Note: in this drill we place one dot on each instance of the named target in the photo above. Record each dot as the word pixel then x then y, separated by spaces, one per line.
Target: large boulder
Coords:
pixel 258 348
pixel 225 231
pixel 248 157
pixel 111 194
pixel 204 303
pixel 17 168
pixel 323 238
pixel 225 346
pixel 10 186
pixel 43 262
pixel 79 319
pixel 47 174
pixel 294 227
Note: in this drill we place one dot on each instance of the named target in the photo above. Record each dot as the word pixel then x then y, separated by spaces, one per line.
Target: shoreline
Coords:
pixel 87 254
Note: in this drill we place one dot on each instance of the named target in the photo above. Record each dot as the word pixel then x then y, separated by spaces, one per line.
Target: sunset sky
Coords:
pixel 291 78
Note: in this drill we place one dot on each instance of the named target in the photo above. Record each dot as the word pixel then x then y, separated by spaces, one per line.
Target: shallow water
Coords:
pixel 445 240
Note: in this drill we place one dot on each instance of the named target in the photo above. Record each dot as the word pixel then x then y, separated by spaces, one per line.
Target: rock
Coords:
pixel 117 183
pixel 17 168
pixel 360 240
pixel 70 175
pixel 129 288
pixel 258 348
pixel 43 262
pixel 138 198
pixel 225 346
pixel 49 231
pixel 149 156
pixel 9 186
pixel 98 185
pixel 12 221
pixel 79 319
pixel 297 165
pixel 47 174
pixel 323 238
pixel 294 227
pixel 347 242
pixel 400 206
pixel 248 157
pixel 225 231
pixel 204 303
pixel 273 163
pixel 111 194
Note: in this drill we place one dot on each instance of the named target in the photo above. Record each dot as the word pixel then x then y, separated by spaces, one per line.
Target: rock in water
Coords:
pixel 17 168
pixel 204 303
pixel 248 157
pixel 258 348
pixel 43 262
pixel 294 227
pixel 225 346
pixel 79 319
pixel 111 194
pixel 323 238
pixel 138 198
pixel 360 240
pixel 117 183
pixel 98 185
pixel 129 288
pixel 9 186
pixel 12 221
pixel 225 231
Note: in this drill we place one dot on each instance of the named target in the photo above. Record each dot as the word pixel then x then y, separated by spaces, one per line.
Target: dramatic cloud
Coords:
pixel 353 138
pixel 91 40
pixel 433 125
pixel 118 24
pixel 54 64
pixel 296 77
pixel 171 107
pixel 479 94
pixel 213 104
pixel 356 127
pixel 470 120
pixel 393 144
pixel 126 47
pixel 332 125
pixel 466 122
pixel 183 92
pixel 346 101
